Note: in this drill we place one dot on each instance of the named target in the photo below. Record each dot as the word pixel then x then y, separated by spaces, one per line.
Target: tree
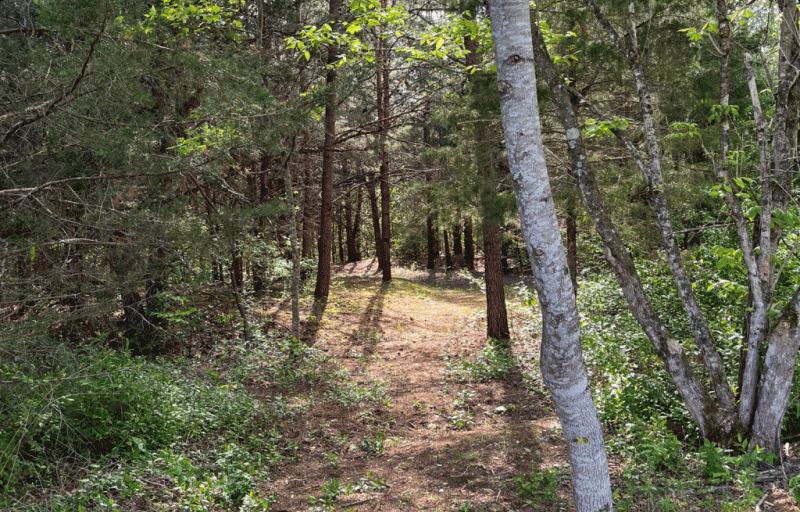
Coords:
pixel 756 202
pixel 561 358
pixel 765 385
pixel 325 241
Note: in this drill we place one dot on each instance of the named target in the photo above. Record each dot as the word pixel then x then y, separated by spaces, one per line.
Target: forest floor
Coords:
pixel 438 440
pixel 434 444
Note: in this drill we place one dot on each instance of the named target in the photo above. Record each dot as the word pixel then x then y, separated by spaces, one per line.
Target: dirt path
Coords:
pixel 433 444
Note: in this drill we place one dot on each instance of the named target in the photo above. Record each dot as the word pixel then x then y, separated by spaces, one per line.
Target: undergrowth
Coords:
pixel 83 427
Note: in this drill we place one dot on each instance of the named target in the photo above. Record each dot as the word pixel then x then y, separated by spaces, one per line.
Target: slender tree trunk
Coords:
pixel 776 372
pixel 469 244
pixel 376 221
pixel 457 250
pixel 341 229
pixel 326 208
pixel 561 359
pixel 727 419
pixel 448 258
pixel 431 236
pixel 698 401
pixel 384 110
pixel 308 217
pixel 386 239
pixel 295 250
pixel 357 224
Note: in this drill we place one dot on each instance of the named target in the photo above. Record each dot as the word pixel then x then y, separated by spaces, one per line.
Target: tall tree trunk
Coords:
pixel 496 315
pixel 376 221
pixel 326 208
pixel 431 236
pixel 469 244
pixel 308 216
pixel 457 239
pixel 386 238
pixel 487 159
pixel 448 258
pixel 341 229
pixel 561 359
pixel 384 109
pixel 357 221
pixel 774 375
pixel 295 250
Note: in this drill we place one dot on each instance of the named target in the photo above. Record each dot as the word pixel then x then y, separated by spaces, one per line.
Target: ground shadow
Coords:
pixel 310 328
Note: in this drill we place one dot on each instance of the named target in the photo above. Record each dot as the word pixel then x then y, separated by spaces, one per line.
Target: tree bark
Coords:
pixel 774 375
pixel 376 221
pixel 777 373
pixel 326 208
pixel 561 359
pixel 357 223
pixel 384 110
pixel 469 244
pixel 431 237
pixel 308 217
pixel 448 258
pixel 295 250
pixel 457 250
pixel 496 315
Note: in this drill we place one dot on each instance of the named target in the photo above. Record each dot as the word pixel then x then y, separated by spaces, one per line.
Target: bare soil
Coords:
pixel 402 332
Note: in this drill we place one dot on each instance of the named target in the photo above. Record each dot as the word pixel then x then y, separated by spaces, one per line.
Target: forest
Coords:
pixel 399 255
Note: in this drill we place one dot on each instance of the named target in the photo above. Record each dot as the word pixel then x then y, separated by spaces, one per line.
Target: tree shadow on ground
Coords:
pixel 310 328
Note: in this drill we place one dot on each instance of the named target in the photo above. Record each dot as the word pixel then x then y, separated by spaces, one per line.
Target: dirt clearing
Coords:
pixel 439 441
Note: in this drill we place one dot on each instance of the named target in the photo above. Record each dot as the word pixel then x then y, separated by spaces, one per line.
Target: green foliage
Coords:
pixel 594 128
pixel 91 403
pixel 540 486
pixel 333 489
pixel 182 18
pixel 495 361
pixel 373 445
pixel 461 418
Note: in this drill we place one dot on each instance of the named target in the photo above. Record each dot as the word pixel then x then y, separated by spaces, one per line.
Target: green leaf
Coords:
pixel 33 252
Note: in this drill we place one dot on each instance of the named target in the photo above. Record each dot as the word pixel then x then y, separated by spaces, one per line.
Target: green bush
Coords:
pixel 87 402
